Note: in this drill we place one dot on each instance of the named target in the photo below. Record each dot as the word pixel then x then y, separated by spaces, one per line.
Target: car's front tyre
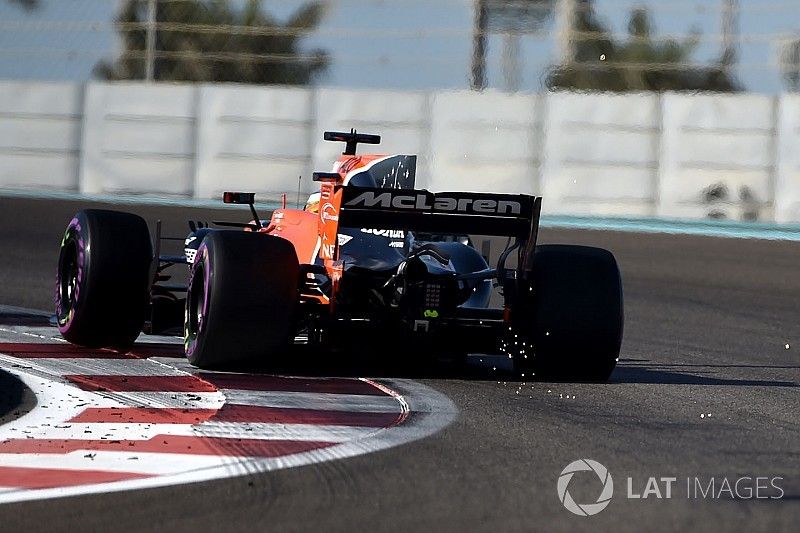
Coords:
pixel 102 282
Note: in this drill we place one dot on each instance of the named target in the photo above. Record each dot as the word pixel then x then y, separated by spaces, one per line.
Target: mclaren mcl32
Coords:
pixel 370 258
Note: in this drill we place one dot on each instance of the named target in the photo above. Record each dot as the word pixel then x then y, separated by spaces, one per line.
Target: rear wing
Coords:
pixel 513 215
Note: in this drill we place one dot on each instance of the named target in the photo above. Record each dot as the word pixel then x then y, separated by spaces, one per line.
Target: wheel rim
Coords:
pixel 195 307
pixel 68 272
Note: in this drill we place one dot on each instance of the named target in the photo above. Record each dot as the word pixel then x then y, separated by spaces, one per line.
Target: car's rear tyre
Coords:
pixel 574 314
pixel 242 299
pixel 102 283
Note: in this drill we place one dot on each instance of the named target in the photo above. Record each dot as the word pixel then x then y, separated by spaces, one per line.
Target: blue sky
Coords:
pixel 408 44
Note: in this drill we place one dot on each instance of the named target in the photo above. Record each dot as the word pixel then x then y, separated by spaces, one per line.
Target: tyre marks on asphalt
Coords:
pixel 107 420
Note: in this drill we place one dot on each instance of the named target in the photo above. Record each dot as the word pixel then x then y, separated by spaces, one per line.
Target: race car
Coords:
pixel 370 260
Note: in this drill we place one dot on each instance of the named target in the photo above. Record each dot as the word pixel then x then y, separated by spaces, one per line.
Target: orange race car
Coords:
pixel 370 260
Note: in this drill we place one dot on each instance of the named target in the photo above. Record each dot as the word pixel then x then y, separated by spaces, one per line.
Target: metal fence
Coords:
pixel 513 45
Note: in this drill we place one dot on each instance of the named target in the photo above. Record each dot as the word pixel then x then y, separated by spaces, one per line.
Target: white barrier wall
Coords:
pixel 251 139
pixel 485 142
pixel 717 156
pixel 138 138
pixel 673 155
pixel 40 134
pixel 787 186
pixel 601 154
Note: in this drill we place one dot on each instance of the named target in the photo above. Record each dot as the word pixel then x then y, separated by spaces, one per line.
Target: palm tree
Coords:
pixel 208 40
pixel 638 64
pixel 26 4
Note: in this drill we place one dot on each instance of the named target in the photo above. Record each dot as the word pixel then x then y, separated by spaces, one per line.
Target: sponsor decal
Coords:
pixel 328 212
pixel 390 233
pixel 344 239
pixel 436 203
pixel 328 251
pixel 190 253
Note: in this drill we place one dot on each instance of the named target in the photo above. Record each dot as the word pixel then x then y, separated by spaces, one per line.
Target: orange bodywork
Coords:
pixel 300 228
pixel 315 233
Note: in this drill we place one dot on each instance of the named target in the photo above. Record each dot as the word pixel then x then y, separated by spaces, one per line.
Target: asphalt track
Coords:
pixel 708 322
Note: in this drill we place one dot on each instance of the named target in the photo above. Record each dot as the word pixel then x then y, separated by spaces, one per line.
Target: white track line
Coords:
pixel 176 400
pixel 12 334
pixel 61 366
pixel 309 400
pixel 156 464
pixel 354 403
pixel 235 430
